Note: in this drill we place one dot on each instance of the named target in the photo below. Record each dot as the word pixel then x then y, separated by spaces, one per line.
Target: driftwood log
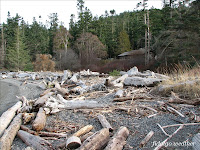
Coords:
pixel 41 101
pixel 104 122
pixel 73 142
pixel 97 141
pixel 83 130
pixel 121 99
pixel 7 116
pixel 84 137
pixel 40 120
pixel 63 91
pixel 10 133
pixel 80 104
pixel 36 142
pixel 118 140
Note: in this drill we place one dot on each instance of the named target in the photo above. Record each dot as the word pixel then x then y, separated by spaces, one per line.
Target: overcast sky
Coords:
pixel 29 9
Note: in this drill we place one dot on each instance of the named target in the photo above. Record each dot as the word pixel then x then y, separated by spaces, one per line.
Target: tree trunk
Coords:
pixel 7 116
pixel 97 141
pixel 40 120
pixel 10 133
pixel 36 142
pixel 118 140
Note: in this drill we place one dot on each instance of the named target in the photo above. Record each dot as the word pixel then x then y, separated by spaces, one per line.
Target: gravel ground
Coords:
pixel 139 126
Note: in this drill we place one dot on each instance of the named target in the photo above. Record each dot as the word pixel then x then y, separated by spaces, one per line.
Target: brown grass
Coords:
pixel 183 74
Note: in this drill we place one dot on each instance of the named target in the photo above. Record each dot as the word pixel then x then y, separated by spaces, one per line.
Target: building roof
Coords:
pixel 140 51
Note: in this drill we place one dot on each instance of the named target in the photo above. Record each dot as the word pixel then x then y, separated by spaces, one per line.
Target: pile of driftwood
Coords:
pixel 27 118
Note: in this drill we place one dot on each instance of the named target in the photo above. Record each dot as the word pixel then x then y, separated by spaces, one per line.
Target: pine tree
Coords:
pixel 124 43
pixel 18 57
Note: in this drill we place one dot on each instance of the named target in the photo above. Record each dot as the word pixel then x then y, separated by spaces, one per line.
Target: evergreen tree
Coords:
pixel 124 43
pixel 18 57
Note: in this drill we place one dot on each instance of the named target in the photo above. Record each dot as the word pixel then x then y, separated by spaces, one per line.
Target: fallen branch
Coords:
pixel 146 139
pixel 118 140
pixel 174 110
pixel 142 106
pixel 7 116
pixel 121 99
pixel 163 130
pixel 10 133
pixel 186 124
pixel 104 122
pixel 163 143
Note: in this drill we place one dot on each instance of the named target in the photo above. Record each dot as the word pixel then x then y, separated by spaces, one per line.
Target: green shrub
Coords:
pixel 114 73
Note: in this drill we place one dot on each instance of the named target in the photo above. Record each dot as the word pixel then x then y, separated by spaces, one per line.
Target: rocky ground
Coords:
pixel 132 114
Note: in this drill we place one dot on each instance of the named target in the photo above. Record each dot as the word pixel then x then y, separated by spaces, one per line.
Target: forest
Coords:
pixel 169 36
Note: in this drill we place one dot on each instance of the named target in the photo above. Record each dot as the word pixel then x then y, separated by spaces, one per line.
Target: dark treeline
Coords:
pixel 91 41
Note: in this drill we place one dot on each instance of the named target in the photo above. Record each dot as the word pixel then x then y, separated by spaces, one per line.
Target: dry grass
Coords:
pixel 184 80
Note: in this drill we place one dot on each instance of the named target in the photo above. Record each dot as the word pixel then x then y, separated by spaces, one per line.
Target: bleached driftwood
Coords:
pixel 104 122
pixel 118 141
pixel 84 137
pixel 83 130
pixel 185 124
pixel 41 101
pixel 119 93
pixel 10 133
pixel 40 120
pixel 73 142
pixel 81 104
pixel 97 141
pixel 176 111
pixel 36 142
pixel 120 81
pixel 66 76
pixel 27 117
pixel 7 116
pixel 146 139
pixel 63 91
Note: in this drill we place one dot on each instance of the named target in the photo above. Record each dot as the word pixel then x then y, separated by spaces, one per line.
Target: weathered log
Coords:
pixel 45 92
pixel 104 122
pixel 7 116
pixel 41 101
pixel 63 91
pixel 73 142
pixel 36 142
pixel 84 137
pixel 118 140
pixel 97 141
pixel 40 120
pixel 26 106
pixel 79 104
pixel 10 133
pixel 83 130
pixel 119 82
pixel 27 117
pixel 146 139
pixel 43 134
pixel 119 94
